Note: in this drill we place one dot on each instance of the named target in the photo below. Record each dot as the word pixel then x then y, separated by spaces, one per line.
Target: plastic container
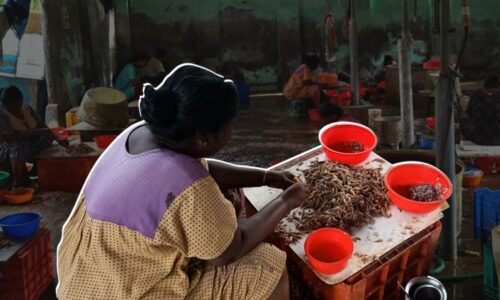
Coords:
pixel 427 144
pixel 328 250
pixel 486 214
pixel 30 271
pixel 396 156
pixel 489 165
pixel 19 196
pixel 314 115
pixel 327 78
pixel 432 65
pixel 51 116
pixel 20 224
pixel 472 179
pixel 103 141
pixel 431 122
pixel 347 132
pixel 389 129
pixel 62 133
pixel 4 179
pixel 379 280
pixel 401 176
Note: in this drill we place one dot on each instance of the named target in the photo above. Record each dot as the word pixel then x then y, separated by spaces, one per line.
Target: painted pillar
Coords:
pixel 405 81
pixel 353 44
pixel 445 134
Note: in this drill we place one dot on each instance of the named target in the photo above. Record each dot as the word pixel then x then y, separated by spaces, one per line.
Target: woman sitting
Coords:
pixel 301 84
pixel 22 134
pixel 151 221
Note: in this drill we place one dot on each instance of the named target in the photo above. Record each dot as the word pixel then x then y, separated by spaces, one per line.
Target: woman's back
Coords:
pixel 123 211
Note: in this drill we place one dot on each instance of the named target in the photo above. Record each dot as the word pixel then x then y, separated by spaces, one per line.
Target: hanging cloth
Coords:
pixel 18 12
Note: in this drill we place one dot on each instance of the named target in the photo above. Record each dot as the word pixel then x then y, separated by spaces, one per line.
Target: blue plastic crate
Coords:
pixel 486 214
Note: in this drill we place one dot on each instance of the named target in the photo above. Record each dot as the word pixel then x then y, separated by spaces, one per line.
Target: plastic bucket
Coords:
pixel 389 129
pixel 401 176
pixel 339 133
pixel 328 250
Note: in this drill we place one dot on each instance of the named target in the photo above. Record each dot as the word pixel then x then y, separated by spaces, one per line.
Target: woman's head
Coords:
pixel 140 60
pixel 312 61
pixel 192 104
pixel 12 98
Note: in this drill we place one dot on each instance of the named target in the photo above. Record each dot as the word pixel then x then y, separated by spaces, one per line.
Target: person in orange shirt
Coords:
pixel 301 84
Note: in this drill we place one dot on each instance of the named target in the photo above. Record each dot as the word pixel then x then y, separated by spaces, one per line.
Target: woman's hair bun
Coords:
pixel 158 106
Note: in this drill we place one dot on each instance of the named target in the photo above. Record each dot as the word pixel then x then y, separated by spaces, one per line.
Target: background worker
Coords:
pixel 128 80
pixel 482 125
pixel 301 84
pixel 154 71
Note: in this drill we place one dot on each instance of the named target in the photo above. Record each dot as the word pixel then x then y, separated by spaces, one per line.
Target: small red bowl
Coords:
pixel 401 176
pixel 62 133
pixel 328 250
pixel 103 141
pixel 340 133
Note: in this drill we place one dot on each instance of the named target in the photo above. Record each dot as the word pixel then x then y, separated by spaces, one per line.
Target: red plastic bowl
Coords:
pixel 401 176
pixel 103 141
pixel 347 132
pixel 62 133
pixel 328 250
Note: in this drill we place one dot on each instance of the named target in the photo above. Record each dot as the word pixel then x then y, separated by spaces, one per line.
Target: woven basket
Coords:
pixel 104 108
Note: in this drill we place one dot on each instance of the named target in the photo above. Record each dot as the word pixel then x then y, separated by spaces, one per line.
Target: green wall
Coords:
pixel 264 40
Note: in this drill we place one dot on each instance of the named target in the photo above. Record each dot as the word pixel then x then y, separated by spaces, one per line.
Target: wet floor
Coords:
pixel 264 134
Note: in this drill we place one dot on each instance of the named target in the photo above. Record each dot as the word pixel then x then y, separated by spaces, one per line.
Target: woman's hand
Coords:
pixel 295 195
pixel 279 179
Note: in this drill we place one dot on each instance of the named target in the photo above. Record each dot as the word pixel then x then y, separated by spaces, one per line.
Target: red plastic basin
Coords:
pixel 401 176
pixel 328 250
pixel 347 132
pixel 103 141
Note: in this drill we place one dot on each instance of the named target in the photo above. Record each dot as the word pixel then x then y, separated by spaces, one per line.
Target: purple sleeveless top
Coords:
pixel 135 190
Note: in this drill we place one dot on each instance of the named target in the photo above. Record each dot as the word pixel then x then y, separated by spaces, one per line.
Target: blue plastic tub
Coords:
pixel 20 224
pixel 4 179
pixel 427 144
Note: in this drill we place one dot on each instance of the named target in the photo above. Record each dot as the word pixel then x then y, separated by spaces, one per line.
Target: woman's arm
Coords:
pixel 230 176
pixel 26 135
pixel 257 228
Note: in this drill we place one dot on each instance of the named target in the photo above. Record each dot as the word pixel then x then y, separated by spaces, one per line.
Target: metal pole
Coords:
pixel 405 81
pixel 445 134
pixel 353 39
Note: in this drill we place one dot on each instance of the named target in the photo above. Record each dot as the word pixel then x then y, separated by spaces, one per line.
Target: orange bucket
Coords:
pixel 327 78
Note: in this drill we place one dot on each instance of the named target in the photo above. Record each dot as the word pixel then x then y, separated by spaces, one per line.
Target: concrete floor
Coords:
pixel 263 134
